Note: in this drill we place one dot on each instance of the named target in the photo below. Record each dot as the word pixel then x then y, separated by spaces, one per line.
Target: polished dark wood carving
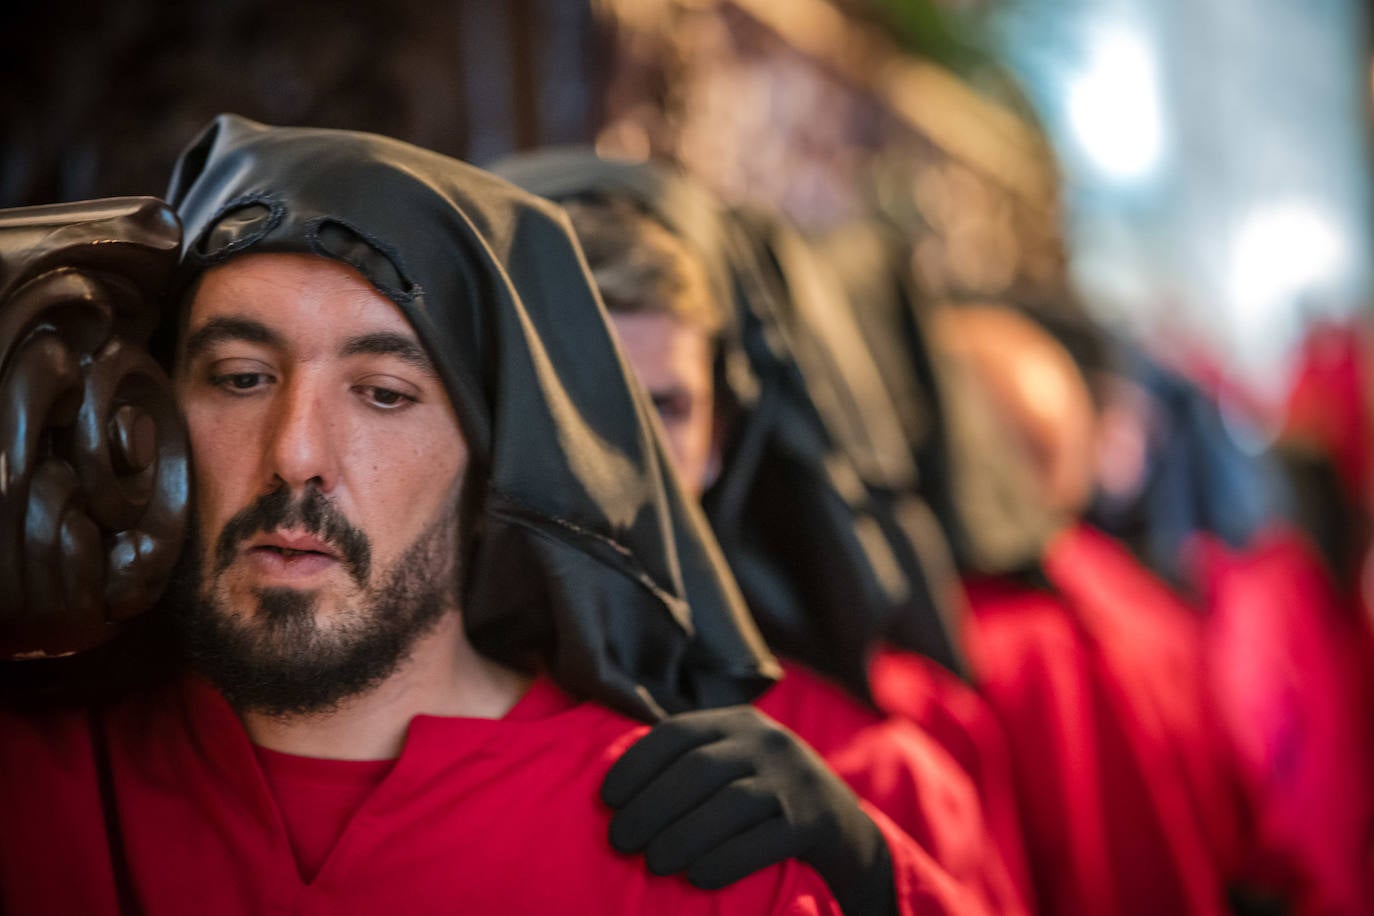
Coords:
pixel 93 475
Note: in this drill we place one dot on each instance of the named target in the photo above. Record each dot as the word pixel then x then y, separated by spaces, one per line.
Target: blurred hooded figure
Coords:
pixel 779 272
pixel 439 573
pixel 1281 668
pixel 1168 467
pixel 1092 666
pixel 1285 645
pixel 795 520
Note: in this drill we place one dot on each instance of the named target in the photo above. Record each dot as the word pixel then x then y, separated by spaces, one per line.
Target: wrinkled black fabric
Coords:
pixel 721 793
pixel 798 300
pixel 588 560
pixel 682 206
pixel 825 572
pixel 973 473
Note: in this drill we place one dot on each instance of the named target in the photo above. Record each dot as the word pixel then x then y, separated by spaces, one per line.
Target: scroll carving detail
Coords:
pixel 93 473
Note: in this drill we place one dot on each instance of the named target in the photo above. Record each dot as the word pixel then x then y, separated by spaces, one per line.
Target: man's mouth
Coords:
pixel 291 554
pixel 290 543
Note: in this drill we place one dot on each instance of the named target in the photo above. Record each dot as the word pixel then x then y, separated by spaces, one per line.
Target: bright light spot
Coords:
pixel 1113 106
pixel 1283 252
pixel 1281 255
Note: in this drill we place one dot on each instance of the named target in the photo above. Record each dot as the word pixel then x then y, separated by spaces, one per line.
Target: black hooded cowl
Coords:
pixel 588 560
pixel 973 474
pixel 791 512
pixel 783 275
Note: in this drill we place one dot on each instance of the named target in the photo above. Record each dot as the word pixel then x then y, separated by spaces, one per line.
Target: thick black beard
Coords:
pixel 281 663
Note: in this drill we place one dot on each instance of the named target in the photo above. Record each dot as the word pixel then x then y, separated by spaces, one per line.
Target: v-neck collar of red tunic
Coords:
pixel 431 743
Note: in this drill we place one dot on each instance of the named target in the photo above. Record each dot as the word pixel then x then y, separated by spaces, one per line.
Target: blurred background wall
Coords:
pixel 1196 171
pixel 1217 162
pixel 98 98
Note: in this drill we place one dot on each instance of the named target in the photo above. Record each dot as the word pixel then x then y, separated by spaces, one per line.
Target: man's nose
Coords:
pixel 302 445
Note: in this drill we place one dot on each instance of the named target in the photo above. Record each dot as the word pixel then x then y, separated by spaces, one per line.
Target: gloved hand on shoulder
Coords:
pixel 722 793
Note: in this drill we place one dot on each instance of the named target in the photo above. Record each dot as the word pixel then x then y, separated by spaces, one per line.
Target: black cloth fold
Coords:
pixel 973 474
pixel 802 301
pixel 811 548
pixel 588 560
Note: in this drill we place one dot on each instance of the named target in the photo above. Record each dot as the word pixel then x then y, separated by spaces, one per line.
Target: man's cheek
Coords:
pixel 220 488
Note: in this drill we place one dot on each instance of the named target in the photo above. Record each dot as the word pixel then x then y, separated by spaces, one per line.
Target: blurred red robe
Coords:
pixel 895 766
pixel 1289 667
pixel 1126 797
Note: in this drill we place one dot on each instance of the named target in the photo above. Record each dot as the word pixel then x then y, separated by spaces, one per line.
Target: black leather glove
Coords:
pixel 723 793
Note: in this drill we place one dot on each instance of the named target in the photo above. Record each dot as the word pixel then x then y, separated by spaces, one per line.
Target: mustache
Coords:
pixel 313 513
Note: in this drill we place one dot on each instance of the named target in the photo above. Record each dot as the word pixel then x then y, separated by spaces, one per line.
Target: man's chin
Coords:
pixel 279 659
pixel 298 652
pixel 288 607
pixel 304 646
pixel 256 604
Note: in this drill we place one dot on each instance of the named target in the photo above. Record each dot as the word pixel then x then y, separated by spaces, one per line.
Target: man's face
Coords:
pixel 327 461
pixel 1034 383
pixel 672 360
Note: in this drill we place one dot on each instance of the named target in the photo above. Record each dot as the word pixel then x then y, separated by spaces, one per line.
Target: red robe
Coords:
pixel 912 687
pixel 1288 665
pixel 1328 403
pixel 892 765
pixel 475 816
pixel 1125 793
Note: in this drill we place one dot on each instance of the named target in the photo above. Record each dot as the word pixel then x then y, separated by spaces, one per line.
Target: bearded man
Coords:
pixel 438 576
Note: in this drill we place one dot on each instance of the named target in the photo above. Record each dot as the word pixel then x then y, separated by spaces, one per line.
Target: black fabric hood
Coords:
pixel 588 559
pixel 685 208
pixel 973 473
pixel 791 511
pixel 785 276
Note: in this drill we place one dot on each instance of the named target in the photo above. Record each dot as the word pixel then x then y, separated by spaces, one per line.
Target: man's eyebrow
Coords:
pixel 389 343
pixel 219 330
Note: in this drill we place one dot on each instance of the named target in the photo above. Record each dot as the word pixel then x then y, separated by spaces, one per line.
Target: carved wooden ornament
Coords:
pixel 93 473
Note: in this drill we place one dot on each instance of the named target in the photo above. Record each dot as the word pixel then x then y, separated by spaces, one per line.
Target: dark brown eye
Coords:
pixel 238 381
pixel 385 398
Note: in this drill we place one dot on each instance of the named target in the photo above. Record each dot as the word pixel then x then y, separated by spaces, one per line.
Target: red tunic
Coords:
pixel 898 769
pixel 476 815
pixel 1328 402
pixel 1126 798
pixel 317 798
pixel 913 687
pixel 1289 666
